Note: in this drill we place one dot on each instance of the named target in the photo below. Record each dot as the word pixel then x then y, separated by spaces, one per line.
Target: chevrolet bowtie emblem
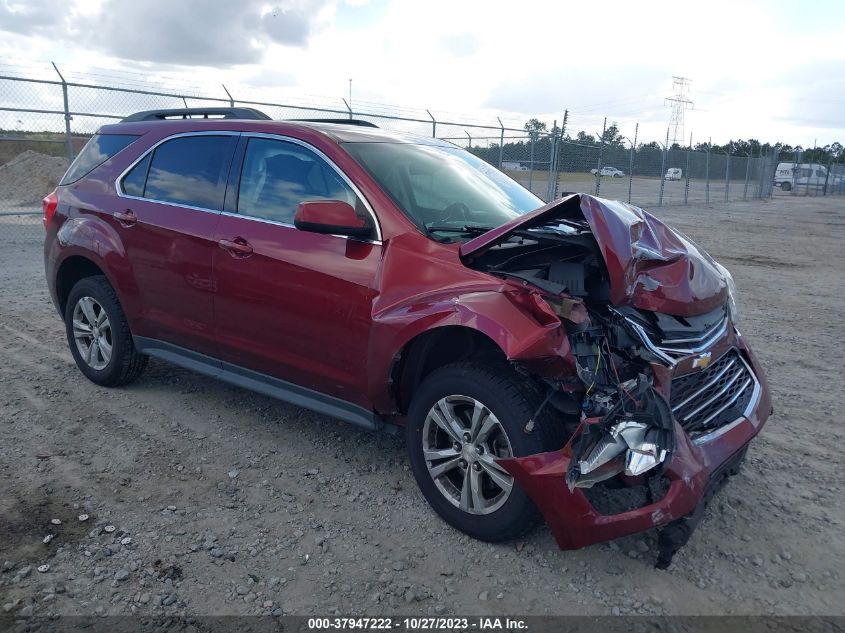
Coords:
pixel 702 361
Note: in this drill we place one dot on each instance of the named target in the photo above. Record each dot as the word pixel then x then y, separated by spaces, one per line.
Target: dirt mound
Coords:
pixel 30 176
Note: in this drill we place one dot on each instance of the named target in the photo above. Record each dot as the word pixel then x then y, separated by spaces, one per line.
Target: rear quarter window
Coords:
pixel 97 150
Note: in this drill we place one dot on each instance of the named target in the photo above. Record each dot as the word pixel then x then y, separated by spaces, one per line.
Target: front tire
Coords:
pixel 98 334
pixel 462 418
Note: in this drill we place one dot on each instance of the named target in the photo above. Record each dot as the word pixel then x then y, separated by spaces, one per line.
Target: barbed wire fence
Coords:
pixel 45 122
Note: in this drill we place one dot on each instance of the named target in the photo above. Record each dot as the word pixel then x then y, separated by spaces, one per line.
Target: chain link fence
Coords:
pixel 44 123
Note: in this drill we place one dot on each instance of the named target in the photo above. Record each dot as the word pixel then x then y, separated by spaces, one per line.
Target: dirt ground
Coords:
pixel 238 504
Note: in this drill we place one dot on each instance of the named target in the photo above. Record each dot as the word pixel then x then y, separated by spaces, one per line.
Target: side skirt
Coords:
pixel 262 383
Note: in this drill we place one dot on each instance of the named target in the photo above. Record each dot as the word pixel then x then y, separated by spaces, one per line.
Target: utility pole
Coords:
pixel 679 103
pixel 350 92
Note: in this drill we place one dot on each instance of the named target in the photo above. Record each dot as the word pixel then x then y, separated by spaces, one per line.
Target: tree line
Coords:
pixel 614 142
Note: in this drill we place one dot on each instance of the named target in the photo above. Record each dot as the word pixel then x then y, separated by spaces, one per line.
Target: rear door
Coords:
pixel 170 204
pixel 292 304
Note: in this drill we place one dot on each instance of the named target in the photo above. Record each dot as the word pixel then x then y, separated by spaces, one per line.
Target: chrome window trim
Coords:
pixel 241 216
pixel 118 183
pixel 335 168
pixel 276 137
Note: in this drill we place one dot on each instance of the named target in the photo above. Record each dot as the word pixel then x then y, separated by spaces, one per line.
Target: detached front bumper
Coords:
pixel 696 471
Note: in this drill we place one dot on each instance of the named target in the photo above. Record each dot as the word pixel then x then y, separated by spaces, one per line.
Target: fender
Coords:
pixel 89 237
pixel 498 313
pixel 406 305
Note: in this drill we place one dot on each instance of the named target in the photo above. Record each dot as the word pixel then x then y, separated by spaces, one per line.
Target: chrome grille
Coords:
pixel 670 350
pixel 706 400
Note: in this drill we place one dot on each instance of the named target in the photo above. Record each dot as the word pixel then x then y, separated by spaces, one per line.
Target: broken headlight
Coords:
pixel 634 437
pixel 733 311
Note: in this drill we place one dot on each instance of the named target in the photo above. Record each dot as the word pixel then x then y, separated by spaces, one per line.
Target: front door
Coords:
pixel 292 304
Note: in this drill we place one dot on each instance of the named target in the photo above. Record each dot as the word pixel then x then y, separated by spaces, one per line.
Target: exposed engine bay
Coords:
pixel 636 299
pixel 627 425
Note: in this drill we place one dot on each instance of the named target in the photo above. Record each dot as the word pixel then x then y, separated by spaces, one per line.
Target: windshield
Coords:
pixel 444 189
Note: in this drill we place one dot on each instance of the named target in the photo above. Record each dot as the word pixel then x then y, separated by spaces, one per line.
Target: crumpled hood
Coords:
pixel 650 265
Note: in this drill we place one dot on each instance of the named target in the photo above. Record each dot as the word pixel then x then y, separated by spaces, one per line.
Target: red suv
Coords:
pixel 540 357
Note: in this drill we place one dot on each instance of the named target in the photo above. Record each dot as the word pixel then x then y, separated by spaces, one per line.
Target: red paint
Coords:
pixel 333 314
pixel 651 266
pixel 329 212
pixel 573 520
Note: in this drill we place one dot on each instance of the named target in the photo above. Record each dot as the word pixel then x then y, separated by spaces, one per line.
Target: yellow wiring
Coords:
pixel 596 373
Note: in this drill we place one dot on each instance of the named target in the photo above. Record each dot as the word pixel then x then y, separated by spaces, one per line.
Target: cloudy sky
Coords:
pixel 768 70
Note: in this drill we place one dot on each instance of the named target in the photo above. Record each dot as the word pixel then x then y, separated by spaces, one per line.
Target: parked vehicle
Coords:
pixel 609 171
pixel 533 353
pixel 673 173
pixel 788 176
pixel 514 166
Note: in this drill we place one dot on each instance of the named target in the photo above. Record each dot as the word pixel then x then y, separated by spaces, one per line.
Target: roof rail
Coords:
pixel 358 122
pixel 192 113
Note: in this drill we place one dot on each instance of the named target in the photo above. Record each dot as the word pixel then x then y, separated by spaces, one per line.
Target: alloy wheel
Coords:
pixel 92 333
pixel 461 439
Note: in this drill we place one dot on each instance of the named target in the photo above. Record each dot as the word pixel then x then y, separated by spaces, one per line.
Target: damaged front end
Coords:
pixel 666 395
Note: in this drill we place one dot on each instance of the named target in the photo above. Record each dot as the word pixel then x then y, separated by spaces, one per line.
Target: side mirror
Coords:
pixel 333 217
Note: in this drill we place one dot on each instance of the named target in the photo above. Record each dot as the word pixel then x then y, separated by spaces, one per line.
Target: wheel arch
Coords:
pixel 435 348
pixel 73 269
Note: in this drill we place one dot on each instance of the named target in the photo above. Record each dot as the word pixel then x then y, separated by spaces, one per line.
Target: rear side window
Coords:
pixel 188 170
pixel 97 150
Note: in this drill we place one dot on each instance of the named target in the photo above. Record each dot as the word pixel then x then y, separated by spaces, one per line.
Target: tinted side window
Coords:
pixel 133 182
pixel 97 150
pixel 191 170
pixel 278 175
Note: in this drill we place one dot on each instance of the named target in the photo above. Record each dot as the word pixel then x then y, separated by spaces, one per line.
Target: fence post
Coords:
pixel 68 139
pixel 433 125
pixel 631 162
pixel 560 147
pixel 228 94
pixel 686 186
pixel 501 142
pixel 748 158
pixel 728 170
pixel 470 139
pixel 348 108
pixel 601 152
pixel 531 162
pixel 552 177
pixel 827 175
pixel 707 172
pixel 663 169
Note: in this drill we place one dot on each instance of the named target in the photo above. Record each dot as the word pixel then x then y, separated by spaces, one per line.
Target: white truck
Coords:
pixel 673 173
pixel 789 176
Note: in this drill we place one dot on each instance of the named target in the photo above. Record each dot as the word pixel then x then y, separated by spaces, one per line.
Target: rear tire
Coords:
pixel 786 186
pixel 98 334
pixel 460 479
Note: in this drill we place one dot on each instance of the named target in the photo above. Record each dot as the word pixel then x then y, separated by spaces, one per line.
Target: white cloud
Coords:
pixel 757 70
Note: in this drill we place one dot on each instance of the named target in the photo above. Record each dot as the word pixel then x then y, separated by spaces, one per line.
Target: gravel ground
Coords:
pixel 227 502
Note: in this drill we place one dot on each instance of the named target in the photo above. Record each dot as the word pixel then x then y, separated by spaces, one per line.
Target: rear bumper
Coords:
pixel 697 469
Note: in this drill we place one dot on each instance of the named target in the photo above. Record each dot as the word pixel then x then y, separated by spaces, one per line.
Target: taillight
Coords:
pixel 49 204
